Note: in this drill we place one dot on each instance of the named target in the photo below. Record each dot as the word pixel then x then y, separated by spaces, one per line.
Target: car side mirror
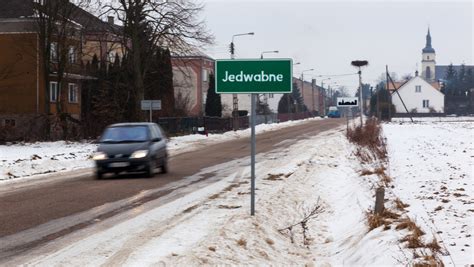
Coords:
pixel 156 139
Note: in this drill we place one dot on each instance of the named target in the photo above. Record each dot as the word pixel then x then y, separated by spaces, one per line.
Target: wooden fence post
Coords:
pixel 379 199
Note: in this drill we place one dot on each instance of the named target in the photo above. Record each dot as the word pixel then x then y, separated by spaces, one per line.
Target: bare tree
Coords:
pixel 151 24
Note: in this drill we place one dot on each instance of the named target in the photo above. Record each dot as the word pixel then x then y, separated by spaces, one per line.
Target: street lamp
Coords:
pixel 235 99
pixel 265 98
pixel 302 83
pixel 324 95
pixel 268 52
pixel 359 64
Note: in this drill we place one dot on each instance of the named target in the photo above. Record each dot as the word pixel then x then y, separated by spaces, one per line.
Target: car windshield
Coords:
pixel 125 134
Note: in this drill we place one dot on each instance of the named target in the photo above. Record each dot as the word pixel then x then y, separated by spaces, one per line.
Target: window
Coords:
pixel 428 57
pixel 9 123
pixel 428 73
pixel 53 91
pixel 112 57
pixel 417 88
pixel 426 103
pixel 72 54
pixel 72 93
pixel 54 52
pixel 204 75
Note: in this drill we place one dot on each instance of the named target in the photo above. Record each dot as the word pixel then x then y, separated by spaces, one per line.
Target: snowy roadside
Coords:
pixel 27 160
pixel 212 225
pixel 431 163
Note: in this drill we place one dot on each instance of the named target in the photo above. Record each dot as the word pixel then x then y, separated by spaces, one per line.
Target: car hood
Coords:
pixel 125 149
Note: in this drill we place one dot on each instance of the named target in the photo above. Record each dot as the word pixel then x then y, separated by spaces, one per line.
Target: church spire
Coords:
pixel 428 38
pixel 428 48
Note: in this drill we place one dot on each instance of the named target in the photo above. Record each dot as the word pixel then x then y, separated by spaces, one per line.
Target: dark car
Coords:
pixel 131 147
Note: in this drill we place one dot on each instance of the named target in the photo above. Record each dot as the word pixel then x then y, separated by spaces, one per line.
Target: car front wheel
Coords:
pixel 150 172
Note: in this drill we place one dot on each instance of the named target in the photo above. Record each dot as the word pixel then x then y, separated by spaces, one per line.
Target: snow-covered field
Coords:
pixel 33 159
pixel 431 163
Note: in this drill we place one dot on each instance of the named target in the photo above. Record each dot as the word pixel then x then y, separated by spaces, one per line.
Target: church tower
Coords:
pixel 428 62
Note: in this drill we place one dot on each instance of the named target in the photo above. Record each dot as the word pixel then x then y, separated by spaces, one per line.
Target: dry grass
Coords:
pixel 242 242
pixel 429 261
pixel 190 209
pixel 274 177
pixel 214 196
pixel 370 136
pixel 386 219
pixel 213 249
pixel 269 241
pixel 407 223
pixel 229 207
pixel 400 205
pixel 377 220
pixel 414 241
pixel 434 245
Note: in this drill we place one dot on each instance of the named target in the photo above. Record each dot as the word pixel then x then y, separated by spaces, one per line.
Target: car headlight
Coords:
pixel 99 156
pixel 139 154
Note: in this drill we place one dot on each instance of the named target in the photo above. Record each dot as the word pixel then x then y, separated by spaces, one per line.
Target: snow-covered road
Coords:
pixel 431 164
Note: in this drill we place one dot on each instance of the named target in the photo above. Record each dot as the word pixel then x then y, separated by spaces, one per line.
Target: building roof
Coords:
pixel 435 86
pixel 16 8
pixel 428 48
pixel 398 85
pixel 195 53
pixel 440 70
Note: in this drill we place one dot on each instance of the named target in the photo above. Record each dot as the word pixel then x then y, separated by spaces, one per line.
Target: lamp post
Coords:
pixel 288 97
pixel 359 64
pixel 235 99
pixel 265 97
pixel 302 83
pixel 324 95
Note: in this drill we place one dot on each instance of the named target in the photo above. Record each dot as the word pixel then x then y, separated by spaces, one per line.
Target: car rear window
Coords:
pixel 125 134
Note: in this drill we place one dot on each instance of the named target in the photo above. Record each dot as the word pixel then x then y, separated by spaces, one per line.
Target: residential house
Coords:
pixel 191 81
pixel 22 88
pixel 418 95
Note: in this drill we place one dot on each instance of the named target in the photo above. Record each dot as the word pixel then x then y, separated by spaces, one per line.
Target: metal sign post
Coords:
pixel 242 77
pixel 151 105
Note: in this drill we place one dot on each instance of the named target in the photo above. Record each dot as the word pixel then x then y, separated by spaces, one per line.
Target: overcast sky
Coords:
pixel 328 35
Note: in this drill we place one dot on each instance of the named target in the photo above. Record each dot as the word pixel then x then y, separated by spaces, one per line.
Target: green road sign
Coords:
pixel 245 76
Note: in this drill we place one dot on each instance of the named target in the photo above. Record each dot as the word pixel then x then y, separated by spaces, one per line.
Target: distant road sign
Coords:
pixel 347 102
pixel 151 104
pixel 246 76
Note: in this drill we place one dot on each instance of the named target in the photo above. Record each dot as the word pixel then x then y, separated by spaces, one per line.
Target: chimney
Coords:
pixel 110 20
pixel 416 73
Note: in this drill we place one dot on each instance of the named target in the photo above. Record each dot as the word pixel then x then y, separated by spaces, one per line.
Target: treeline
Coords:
pixel 107 96
pixel 458 83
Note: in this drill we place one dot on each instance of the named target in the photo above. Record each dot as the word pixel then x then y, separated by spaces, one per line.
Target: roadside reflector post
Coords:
pixel 379 197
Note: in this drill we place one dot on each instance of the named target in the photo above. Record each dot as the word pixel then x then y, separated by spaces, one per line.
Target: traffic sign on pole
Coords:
pixel 254 76
pixel 259 76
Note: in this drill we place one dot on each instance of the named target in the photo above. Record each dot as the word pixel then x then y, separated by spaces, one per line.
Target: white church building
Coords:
pixel 421 94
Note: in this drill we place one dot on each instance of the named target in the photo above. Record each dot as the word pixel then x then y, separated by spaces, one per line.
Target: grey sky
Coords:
pixel 328 35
